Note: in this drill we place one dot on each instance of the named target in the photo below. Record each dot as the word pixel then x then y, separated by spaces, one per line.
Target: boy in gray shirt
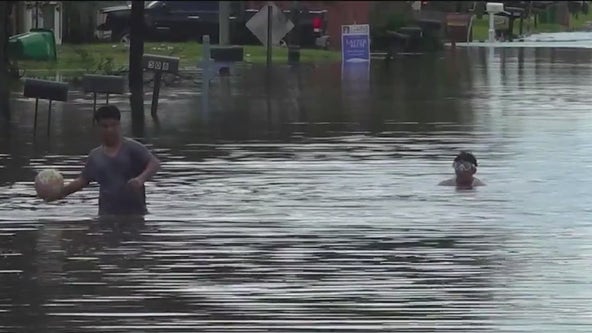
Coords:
pixel 120 165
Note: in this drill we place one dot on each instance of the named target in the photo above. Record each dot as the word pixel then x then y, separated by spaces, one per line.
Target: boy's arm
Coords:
pixel 72 187
pixel 151 168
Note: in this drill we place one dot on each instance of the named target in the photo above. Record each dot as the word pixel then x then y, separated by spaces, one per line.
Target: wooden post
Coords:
pixel 224 22
pixel 5 7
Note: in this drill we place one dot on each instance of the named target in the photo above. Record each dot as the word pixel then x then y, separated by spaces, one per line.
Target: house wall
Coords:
pixel 343 13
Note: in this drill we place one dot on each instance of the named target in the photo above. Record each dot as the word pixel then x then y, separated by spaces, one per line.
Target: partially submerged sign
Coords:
pixel 355 43
pixel 280 24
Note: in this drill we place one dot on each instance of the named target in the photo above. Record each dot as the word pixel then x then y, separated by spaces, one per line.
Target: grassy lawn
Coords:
pixel 481 26
pixel 106 57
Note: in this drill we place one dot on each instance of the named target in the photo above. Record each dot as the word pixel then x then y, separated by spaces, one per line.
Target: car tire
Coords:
pixel 124 37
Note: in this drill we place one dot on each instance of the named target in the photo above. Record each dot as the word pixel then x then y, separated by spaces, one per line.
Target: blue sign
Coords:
pixel 355 43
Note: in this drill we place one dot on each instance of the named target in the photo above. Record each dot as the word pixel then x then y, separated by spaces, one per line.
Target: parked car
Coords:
pixel 190 20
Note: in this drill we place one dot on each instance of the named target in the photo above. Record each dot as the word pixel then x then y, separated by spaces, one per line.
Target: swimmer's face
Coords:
pixel 464 168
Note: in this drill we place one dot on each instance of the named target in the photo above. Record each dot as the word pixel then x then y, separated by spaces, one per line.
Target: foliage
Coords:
pixel 90 63
pixel 103 57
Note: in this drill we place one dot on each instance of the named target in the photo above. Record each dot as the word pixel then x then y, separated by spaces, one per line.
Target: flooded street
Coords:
pixel 316 209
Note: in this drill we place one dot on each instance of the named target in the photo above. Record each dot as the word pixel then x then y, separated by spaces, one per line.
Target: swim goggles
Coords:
pixel 463 166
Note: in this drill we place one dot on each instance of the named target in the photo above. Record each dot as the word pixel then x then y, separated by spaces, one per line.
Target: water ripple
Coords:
pixel 336 226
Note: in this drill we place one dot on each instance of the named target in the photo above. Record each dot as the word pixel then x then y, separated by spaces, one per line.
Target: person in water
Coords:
pixel 119 165
pixel 465 167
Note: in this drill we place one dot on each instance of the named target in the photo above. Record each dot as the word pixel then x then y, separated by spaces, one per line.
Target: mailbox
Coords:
pixel 494 7
pixel 161 64
pixel 44 89
pixel 227 53
pixel 103 84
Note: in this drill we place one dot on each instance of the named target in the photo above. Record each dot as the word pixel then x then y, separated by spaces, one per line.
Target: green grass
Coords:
pixel 106 58
pixel 481 26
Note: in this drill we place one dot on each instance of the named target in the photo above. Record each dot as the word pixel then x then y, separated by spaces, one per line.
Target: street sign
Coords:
pixel 280 24
pixel 355 43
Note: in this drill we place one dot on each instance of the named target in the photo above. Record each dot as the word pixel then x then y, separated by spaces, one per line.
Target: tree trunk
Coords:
pixel 4 72
pixel 136 81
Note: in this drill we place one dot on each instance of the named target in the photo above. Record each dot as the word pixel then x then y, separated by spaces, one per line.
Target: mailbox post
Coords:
pixel 159 65
pixel 493 8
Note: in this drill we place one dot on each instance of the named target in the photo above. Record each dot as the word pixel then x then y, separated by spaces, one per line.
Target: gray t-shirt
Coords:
pixel 113 173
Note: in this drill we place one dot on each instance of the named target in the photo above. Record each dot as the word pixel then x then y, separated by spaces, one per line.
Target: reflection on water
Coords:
pixel 315 209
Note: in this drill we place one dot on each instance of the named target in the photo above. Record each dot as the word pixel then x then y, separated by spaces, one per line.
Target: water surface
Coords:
pixel 312 207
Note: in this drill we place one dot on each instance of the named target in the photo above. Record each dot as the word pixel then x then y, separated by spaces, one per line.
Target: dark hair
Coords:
pixel 465 157
pixel 107 112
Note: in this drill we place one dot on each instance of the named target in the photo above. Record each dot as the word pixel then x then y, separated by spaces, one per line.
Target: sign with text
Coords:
pixel 355 43
pixel 158 63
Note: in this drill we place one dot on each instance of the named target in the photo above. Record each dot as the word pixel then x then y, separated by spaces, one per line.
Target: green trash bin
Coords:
pixel 37 44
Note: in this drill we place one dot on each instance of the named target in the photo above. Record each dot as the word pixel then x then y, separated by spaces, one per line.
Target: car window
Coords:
pixel 153 4
pixel 192 6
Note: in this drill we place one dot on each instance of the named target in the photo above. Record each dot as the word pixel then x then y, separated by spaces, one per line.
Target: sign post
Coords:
pixel 269 25
pixel 355 63
pixel 269 29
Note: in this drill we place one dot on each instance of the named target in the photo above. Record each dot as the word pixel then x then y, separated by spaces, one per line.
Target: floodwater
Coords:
pixel 313 206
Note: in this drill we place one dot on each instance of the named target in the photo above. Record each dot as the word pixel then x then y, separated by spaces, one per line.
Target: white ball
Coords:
pixel 49 183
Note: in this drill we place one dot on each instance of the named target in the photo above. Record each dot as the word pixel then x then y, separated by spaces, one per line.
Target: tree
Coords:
pixel 136 78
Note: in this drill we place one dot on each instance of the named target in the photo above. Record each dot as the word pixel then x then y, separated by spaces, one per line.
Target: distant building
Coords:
pixel 71 21
pixel 27 15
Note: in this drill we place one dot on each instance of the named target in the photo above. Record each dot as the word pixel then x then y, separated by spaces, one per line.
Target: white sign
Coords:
pixel 158 65
pixel 280 24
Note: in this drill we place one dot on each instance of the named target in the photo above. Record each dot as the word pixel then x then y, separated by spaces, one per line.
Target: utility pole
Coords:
pixel 224 22
pixel 136 51
pixel 5 7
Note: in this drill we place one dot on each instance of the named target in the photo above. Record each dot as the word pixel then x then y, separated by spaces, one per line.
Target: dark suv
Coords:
pixel 189 20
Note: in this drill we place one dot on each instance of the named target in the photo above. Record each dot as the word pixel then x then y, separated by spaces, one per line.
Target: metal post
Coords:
pixel 269 27
pixel 49 117
pixel 155 92
pixel 206 50
pixel 36 111
pixel 107 102
pixel 94 103
pixel 223 22
pixel 206 72
pixel 491 28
